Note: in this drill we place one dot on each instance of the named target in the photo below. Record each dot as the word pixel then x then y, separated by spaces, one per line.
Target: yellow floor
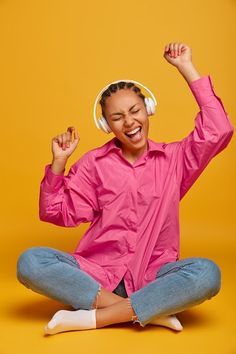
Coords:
pixel 208 327
pixel 55 58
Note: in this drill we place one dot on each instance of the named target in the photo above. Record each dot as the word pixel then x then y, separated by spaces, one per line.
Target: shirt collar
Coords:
pixel 114 144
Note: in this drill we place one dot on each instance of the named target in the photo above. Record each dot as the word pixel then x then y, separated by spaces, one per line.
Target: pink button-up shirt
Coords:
pixel 134 208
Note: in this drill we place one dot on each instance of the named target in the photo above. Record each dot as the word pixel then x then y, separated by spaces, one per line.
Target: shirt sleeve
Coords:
pixel 212 133
pixel 68 200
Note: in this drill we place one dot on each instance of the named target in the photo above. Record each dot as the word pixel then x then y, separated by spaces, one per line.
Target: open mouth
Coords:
pixel 135 134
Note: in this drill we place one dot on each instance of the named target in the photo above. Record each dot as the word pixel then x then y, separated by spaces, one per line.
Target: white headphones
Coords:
pixel 101 122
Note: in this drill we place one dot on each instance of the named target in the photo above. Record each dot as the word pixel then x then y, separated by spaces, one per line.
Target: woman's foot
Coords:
pixel 170 321
pixel 65 320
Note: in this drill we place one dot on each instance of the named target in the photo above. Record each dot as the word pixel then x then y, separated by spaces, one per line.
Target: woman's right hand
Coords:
pixel 63 146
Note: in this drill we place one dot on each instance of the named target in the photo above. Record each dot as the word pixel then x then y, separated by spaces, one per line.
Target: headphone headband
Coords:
pixel 114 82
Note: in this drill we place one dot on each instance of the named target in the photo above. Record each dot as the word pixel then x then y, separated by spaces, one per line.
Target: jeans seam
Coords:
pixel 68 260
pixel 173 269
pixel 97 295
pixel 134 318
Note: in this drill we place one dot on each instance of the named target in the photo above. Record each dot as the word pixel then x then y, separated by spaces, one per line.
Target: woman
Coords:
pixel 127 267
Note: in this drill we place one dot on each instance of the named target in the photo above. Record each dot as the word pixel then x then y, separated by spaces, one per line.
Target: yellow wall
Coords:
pixel 55 58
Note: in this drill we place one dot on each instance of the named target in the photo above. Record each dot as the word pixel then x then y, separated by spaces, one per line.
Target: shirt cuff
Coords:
pixel 53 181
pixel 202 89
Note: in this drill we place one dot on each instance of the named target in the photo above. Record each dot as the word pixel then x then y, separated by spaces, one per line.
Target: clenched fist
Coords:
pixel 177 54
pixel 63 145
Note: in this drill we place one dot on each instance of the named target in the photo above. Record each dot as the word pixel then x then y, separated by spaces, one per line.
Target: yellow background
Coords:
pixel 55 57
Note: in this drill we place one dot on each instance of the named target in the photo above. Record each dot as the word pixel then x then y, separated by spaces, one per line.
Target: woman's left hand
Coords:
pixel 178 54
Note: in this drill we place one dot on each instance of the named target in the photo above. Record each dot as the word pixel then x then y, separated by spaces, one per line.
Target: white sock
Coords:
pixel 170 321
pixel 65 320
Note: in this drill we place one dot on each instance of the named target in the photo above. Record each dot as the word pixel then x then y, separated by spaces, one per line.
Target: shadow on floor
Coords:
pixel 44 309
pixel 36 309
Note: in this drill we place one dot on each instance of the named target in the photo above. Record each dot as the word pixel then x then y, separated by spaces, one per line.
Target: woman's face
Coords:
pixel 126 113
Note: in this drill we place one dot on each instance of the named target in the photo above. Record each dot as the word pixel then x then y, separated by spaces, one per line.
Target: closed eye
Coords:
pixel 115 119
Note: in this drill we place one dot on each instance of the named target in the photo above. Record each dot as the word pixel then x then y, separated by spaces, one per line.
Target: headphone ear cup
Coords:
pixel 102 122
pixel 150 105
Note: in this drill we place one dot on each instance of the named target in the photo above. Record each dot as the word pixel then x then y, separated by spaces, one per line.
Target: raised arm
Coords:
pixel 213 129
pixel 67 200
pixel 180 56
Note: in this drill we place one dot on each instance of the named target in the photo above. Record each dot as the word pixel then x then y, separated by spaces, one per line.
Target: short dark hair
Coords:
pixel 119 86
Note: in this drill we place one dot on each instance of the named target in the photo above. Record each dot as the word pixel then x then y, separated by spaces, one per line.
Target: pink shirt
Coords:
pixel 134 208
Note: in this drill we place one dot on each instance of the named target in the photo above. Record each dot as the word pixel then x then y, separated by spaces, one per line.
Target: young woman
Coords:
pixel 127 267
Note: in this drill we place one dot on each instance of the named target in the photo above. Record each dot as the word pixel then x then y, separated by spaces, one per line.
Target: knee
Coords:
pixel 209 276
pixel 27 265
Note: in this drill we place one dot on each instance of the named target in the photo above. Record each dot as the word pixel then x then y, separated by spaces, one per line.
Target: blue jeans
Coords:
pixel 178 285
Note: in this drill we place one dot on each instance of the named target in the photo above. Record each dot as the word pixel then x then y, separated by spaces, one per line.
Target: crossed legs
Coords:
pixel 178 286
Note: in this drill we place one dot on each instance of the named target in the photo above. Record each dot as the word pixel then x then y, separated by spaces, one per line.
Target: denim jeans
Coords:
pixel 178 285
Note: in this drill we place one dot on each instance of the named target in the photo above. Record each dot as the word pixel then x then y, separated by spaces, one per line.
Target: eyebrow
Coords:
pixel 118 113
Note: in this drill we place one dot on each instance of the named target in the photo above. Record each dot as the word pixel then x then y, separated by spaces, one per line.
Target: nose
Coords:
pixel 129 121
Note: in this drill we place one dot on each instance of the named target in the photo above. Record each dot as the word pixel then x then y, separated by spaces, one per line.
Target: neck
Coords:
pixel 133 155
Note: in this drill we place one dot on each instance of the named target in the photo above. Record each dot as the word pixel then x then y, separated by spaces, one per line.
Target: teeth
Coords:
pixel 133 131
